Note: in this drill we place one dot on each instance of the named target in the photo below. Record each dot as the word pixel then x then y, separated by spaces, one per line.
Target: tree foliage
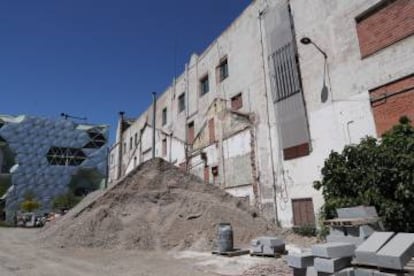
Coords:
pixel 65 201
pixel 30 203
pixel 375 172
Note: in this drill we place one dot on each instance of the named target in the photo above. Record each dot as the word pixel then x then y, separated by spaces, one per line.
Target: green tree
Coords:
pixel 30 203
pixel 65 201
pixel 375 172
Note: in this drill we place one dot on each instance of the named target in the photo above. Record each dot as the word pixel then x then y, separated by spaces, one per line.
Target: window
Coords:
pixel 237 102
pixel 204 86
pixel 136 139
pixel 223 70
pixel 211 131
pixel 130 143
pixel 125 145
pixel 384 24
pixel 190 132
pixel 181 102
pixel 59 156
pixel 164 116
pixel 164 147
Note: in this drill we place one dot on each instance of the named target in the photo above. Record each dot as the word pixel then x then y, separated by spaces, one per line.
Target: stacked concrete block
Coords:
pixel 267 246
pixel 354 234
pixel 332 257
pixel 301 260
pixel 365 254
pixel 397 252
pixel 364 272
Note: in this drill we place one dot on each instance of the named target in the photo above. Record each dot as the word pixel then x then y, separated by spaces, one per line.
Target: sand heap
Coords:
pixel 157 206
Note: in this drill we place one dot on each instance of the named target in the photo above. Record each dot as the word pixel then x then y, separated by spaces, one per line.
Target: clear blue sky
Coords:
pixel 94 58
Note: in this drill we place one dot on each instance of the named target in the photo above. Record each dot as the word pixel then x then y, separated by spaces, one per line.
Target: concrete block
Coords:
pixel 347 239
pixel 357 212
pixel 333 250
pixel 302 260
pixel 379 273
pixel 299 271
pixel 331 265
pixel 366 252
pixel 364 272
pixel 311 271
pixel 397 252
pixel 267 245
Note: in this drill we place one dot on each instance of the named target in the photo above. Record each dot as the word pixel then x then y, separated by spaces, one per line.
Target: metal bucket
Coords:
pixel 225 237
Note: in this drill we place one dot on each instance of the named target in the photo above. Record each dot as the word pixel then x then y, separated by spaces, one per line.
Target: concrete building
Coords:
pixel 47 158
pixel 258 111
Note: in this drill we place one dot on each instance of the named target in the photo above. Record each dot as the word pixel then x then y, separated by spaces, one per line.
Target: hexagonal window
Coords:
pixel 97 139
pixel 60 156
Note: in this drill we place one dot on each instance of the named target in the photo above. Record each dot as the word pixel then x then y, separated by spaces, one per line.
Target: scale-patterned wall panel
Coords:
pixel 48 153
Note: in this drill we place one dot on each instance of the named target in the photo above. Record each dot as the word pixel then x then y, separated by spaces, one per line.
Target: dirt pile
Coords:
pixel 157 206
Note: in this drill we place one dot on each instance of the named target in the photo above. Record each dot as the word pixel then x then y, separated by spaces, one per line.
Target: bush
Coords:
pixel 374 172
pixel 30 203
pixel 305 230
pixel 65 201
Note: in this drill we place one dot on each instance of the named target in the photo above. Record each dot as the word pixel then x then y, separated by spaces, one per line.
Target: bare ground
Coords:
pixel 21 253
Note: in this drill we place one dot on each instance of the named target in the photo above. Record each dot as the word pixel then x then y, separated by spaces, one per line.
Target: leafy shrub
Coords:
pixel 305 230
pixel 65 201
pixel 374 172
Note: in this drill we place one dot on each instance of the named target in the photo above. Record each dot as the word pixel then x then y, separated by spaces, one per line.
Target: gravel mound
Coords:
pixel 157 206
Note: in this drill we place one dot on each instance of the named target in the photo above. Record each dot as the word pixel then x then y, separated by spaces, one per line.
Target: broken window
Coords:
pixel 223 70
pixel 60 156
pixel 181 102
pixel 237 102
pixel 204 85
pixel 190 132
pixel 164 116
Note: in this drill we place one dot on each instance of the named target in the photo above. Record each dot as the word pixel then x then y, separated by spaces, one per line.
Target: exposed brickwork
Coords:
pixel 385 25
pixel 296 151
pixel 391 101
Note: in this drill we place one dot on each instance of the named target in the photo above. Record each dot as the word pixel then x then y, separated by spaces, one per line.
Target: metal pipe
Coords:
pixel 154 112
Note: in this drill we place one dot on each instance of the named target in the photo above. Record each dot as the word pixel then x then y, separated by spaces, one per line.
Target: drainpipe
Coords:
pixel 120 142
pixel 154 112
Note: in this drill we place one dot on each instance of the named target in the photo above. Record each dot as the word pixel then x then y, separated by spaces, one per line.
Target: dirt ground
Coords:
pixel 22 254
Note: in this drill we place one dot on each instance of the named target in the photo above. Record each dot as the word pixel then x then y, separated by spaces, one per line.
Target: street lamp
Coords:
pixel 325 90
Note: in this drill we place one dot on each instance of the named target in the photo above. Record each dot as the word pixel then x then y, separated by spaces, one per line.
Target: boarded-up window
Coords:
pixel 211 131
pixel 190 133
pixel 391 101
pixel 303 213
pixel 206 174
pixel 164 147
pixel 384 24
pixel 237 102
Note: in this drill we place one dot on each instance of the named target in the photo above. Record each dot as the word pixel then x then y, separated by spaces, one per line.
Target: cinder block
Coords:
pixel 302 260
pixel 331 265
pixel 397 252
pixel 364 272
pixel 366 252
pixel 333 250
pixel 357 212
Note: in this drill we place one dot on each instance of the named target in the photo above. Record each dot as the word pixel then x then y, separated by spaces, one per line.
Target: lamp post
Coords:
pixel 325 90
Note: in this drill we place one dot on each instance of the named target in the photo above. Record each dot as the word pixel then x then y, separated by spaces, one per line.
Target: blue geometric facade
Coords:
pixel 48 156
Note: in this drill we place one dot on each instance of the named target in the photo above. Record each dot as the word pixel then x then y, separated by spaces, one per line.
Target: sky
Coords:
pixel 94 58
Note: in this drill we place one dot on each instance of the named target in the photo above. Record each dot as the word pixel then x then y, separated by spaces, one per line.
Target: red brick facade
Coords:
pixel 391 101
pixel 385 24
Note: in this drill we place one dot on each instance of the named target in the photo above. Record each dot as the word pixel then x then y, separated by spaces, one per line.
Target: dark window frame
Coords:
pixel 223 69
pixel 164 116
pixel 204 85
pixel 181 102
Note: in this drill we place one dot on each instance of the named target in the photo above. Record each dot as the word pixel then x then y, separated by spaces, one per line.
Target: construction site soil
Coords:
pixel 157 206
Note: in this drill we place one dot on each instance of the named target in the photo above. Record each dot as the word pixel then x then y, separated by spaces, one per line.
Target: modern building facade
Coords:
pixel 258 111
pixel 47 157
